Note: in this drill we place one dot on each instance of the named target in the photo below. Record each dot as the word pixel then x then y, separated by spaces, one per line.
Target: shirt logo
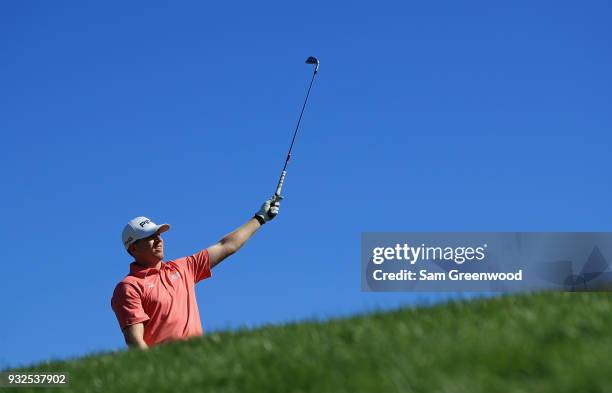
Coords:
pixel 175 276
pixel 151 286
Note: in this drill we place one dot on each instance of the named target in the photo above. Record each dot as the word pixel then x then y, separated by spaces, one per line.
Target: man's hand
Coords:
pixel 268 210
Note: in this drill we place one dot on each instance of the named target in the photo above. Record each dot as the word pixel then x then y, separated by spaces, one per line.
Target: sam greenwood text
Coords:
pixel 452 275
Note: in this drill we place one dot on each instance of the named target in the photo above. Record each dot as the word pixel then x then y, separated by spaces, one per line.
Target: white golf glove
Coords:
pixel 268 211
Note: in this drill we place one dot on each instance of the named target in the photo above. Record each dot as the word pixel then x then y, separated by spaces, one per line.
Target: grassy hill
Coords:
pixel 548 342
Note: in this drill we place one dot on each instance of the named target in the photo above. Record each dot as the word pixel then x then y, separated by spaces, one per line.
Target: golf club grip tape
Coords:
pixel 279 187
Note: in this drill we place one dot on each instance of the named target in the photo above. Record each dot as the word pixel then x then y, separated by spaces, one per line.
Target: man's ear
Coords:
pixel 131 249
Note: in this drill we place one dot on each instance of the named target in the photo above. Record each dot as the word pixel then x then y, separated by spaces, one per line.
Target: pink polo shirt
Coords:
pixel 163 300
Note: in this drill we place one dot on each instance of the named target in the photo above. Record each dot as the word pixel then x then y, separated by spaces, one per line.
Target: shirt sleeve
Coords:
pixel 127 305
pixel 199 265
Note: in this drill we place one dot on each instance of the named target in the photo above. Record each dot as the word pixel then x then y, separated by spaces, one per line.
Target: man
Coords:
pixel 156 301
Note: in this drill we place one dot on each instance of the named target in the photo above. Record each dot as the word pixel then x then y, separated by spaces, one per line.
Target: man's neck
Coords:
pixel 149 265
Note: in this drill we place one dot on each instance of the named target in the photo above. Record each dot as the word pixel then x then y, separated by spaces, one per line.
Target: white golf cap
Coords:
pixel 139 228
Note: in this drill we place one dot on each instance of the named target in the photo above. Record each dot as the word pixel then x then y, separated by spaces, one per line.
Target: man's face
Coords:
pixel 149 250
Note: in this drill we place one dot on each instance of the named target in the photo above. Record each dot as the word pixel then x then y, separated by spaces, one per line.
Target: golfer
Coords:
pixel 156 301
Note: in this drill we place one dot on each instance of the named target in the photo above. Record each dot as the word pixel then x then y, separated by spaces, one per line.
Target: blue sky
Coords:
pixel 425 116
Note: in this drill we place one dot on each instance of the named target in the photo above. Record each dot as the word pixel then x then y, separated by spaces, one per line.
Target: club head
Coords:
pixel 313 60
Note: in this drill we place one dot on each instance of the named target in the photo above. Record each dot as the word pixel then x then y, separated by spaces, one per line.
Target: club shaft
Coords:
pixel 277 194
pixel 297 127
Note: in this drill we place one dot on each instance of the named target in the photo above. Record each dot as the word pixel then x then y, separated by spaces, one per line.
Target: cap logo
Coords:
pixel 129 239
pixel 143 223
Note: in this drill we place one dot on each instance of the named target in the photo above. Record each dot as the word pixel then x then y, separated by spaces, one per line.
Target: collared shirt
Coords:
pixel 162 299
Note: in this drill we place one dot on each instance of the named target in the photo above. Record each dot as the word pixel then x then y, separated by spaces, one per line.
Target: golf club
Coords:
pixel 277 195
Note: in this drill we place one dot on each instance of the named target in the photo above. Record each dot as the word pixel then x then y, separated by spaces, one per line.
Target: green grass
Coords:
pixel 547 342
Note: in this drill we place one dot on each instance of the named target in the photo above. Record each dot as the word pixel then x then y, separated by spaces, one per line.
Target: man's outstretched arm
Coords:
pixel 236 239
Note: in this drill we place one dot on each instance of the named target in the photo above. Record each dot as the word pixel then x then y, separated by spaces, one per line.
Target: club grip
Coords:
pixel 279 187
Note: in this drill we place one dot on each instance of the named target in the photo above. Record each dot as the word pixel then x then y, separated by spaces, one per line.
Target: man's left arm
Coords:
pixel 236 239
